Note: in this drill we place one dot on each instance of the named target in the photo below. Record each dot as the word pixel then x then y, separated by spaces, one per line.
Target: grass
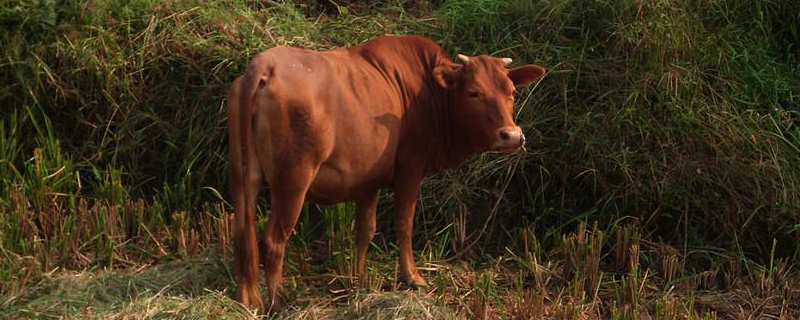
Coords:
pixel 661 179
pixel 509 287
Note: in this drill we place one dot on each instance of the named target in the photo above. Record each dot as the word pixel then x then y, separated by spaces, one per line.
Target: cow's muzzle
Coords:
pixel 509 139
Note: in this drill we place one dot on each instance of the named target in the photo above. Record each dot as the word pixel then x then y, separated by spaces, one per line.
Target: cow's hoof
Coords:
pixel 275 306
pixel 414 281
pixel 419 285
pixel 249 297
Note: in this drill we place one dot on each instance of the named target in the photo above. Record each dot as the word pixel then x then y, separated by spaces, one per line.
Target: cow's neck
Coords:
pixel 448 147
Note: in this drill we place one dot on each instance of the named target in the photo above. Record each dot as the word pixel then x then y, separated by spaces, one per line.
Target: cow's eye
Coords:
pixel 474 94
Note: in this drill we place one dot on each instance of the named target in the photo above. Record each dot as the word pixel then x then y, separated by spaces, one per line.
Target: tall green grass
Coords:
pixel 680 114
pixel 677 116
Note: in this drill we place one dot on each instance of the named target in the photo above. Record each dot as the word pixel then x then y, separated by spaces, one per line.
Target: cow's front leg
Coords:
pixel 365 230
pixel 288 190
pixel 405 199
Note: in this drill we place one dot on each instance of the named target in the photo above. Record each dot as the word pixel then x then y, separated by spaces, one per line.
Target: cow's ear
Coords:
pixel 446 74
pixel 524 75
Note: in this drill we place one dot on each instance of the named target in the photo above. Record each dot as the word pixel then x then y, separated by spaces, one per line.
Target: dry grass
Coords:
pixel 200 287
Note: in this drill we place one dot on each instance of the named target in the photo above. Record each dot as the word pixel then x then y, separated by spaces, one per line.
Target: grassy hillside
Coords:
pixel 669 126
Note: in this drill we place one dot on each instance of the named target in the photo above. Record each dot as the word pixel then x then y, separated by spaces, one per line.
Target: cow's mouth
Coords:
pixel 508 149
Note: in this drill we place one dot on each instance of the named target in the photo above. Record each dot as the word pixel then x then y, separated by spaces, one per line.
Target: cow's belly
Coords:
pixel 330 186
pixel 333 185
pixel 355 170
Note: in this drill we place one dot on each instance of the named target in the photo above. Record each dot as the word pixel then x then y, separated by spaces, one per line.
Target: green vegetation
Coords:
pixel 661 181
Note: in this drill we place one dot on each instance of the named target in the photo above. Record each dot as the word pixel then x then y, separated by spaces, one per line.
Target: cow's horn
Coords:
pixel 463 58
pixel 506 61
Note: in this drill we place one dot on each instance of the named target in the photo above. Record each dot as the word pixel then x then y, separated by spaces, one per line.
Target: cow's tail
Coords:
pixel 241 108
pixel 254 78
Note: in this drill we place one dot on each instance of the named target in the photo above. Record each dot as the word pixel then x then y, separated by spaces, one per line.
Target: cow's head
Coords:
pixel 482 96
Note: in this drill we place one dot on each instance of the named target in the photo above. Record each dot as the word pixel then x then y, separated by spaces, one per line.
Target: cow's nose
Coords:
pixel 504 135
pixel 511 138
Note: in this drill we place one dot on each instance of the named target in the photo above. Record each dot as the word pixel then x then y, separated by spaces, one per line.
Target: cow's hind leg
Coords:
pixel 291 152
pixel 365 230
pixel 288 190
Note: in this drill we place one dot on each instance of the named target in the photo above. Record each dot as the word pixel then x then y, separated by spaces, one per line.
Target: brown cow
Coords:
pixel 340 125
